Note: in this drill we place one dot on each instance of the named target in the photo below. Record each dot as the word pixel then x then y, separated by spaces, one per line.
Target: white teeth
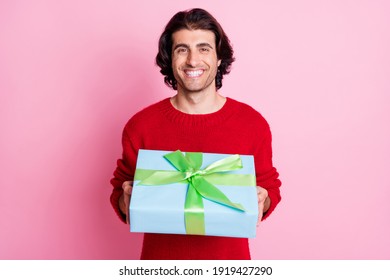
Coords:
pixel 194 73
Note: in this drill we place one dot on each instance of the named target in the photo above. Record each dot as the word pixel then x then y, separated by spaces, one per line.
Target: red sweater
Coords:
pixel 235 129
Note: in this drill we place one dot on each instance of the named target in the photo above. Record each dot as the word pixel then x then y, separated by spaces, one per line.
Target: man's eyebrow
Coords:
pixel 204 45
pixel 181 46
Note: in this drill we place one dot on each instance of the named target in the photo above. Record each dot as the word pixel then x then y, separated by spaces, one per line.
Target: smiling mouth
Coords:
pixel 193 73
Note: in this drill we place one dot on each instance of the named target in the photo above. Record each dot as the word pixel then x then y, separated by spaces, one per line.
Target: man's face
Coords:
pixel 194 60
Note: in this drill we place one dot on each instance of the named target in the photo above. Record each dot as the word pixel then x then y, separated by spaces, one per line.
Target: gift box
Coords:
pixel 194 193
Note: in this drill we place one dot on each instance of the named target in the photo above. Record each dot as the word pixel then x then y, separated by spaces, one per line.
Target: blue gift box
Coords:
pixel 160 208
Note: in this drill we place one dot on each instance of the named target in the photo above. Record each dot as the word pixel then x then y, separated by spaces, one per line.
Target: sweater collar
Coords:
pixel 194 120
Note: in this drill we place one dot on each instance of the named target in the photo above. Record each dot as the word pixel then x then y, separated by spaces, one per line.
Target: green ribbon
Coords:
pixel 188 171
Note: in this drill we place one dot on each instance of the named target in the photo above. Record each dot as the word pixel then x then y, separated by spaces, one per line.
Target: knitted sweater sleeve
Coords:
pixel 124 171
pixel 266 175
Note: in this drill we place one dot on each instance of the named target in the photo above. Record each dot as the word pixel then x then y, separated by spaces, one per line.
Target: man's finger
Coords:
pixel 127 189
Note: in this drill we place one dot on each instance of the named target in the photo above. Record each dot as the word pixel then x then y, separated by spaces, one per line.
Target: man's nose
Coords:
pixel 193 58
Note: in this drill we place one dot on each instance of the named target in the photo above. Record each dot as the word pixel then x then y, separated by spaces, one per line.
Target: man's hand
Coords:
pixel 264 202
pixel 124 200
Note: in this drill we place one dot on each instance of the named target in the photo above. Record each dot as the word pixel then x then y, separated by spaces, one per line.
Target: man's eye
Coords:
pixel 204 50
pixel 181 50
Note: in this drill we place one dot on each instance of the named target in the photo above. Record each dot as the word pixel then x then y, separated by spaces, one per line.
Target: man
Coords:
pixel 194 54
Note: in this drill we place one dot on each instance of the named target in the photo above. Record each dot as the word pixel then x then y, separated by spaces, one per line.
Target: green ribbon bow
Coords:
pixel 189 171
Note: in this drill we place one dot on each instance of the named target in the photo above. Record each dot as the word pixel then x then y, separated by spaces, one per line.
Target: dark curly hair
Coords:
pixel 192 20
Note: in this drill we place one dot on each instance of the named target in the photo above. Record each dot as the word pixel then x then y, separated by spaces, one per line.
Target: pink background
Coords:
pixel 73 72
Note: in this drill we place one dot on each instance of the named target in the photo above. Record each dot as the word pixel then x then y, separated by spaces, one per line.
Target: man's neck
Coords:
pixel 198 103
